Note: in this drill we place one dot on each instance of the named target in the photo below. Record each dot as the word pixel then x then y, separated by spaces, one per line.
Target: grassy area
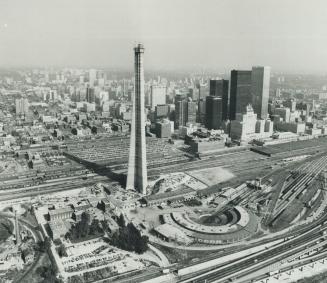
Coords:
pixel 188 256
pixel 33 276
pixel 6 229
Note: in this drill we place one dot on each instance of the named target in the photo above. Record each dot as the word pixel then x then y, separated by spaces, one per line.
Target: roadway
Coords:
pixel 247 265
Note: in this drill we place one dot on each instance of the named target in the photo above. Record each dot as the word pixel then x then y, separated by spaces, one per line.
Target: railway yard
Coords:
pixel 266 218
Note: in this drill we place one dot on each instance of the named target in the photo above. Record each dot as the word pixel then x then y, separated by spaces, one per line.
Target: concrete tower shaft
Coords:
pixel 137 171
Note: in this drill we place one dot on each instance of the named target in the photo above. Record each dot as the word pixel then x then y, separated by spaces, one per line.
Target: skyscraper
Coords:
pixel 185 111
pixel 260 83
pixel 22 106
pixel 92 76
pixel 203 91
pixel 90 95
pixel 240 92
pixel 202 111
pixel 137 171
pixel 213 112
pixel 180 111
pixel 191 111
pixel 157 96
pixel 219 88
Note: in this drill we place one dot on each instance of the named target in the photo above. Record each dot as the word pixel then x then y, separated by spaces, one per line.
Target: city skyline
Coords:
pixel 206 162
pixel 45 33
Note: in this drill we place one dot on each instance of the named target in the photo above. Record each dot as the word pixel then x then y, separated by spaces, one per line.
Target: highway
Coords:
pixel 284 251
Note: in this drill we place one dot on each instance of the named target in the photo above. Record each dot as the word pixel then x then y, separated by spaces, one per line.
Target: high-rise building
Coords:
pixel 158 95
pixel 103 97
pixel 240 92
pixel 202 111
pixel 137 171
pixel 219 88
pixel 283 112
pixel 185 111
pixel 213 112
pixel 162 111
pixel 290 103
pixel 22 106
pixel 92 76
pixel 203 91
pixel 191 112
pixel 180 111
pixel 260 83
pixel 163 129
pixel 90 95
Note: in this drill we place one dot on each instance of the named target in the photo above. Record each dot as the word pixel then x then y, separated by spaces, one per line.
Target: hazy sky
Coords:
pixel 222 34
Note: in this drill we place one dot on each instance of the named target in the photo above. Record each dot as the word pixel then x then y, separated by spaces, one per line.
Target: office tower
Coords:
pixel 202 111
pixel 240 92
pixel 192 93
pixel 163 129
pixel 157 95
pixel 22 106
pixel 185 111
pixel 180 111
pixel 103 97
pixel 90 95
pixel 137 171
pixel 283 112
pixel 219 88
pixel 190 111
pixel 203 91
pixel 162 111
pixel 290 103
pixel 214 112
pixel 106 108
pixel 92 76
pixel 260 83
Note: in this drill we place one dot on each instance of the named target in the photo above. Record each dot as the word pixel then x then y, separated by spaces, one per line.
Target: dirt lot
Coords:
pixel 212 176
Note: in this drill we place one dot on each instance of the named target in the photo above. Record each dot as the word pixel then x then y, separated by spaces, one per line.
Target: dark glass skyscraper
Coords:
pixel 213 112
pixel 240 92
pixel 219 88
pixel 260 84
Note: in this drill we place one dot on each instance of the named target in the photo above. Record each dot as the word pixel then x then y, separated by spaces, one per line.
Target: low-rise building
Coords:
pixel 60 213
pixel 297 128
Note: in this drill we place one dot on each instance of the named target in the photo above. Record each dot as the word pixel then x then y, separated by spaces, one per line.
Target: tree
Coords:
pixel 62 250
pixel 129 238
pixel 105 226
pixel 44 246
pixel 94 130
pixel 74 131
pixel 84 223
pixel 48 273
pixel 121 221
pixel 95 227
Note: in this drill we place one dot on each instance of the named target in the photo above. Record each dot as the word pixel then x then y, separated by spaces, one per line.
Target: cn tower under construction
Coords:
pixel 137 171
